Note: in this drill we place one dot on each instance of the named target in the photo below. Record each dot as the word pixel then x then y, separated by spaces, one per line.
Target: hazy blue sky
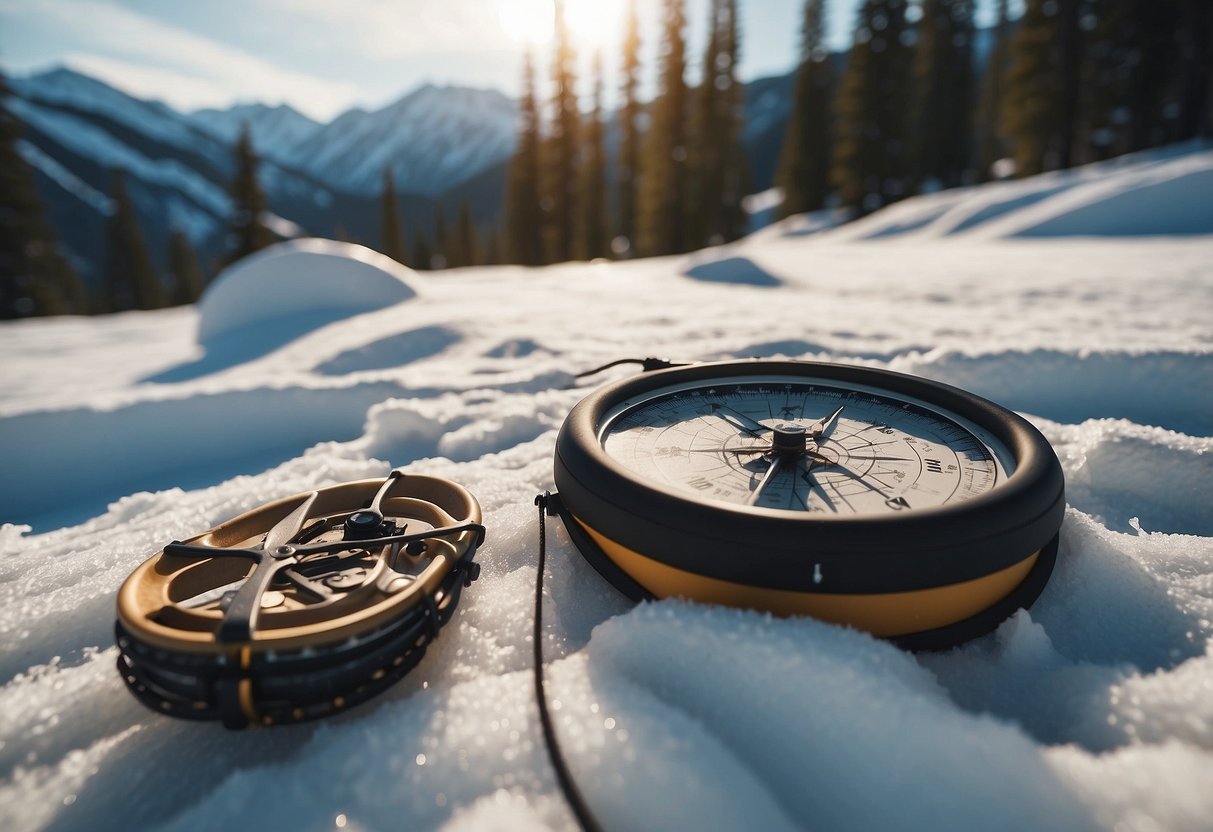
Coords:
pixel 324 56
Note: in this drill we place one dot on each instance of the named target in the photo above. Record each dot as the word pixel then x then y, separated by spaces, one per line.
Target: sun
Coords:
pixel 529 22
pixel 593 24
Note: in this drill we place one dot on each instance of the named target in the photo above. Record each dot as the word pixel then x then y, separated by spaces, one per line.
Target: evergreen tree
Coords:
pixel 943 100
pixel 131 281
pixel 185 275
pixel 1134 75
pixel 466 251
pixel 1196 70
pixel 870 166
pixel 562 148
pixel 629 135
pixel 492 248
pixel 248 231
pixel 391 231
pixel 423 252
pixel 804 162
pixel 592 222
pixel 523 219
pixel 441 258
pixel 664 202
pixel 991 139
pixel 1040 108
pixel 719 177
pixel 35 279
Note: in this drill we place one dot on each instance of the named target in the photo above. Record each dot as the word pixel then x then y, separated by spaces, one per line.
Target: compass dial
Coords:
pixel 898 505
pixel 804 445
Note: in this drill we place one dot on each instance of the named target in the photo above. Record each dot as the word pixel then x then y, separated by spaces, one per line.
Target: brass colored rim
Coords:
pixel 884 614
pixel 149 607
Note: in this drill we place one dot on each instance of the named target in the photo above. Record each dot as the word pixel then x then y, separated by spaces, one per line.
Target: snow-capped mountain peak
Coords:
pixel 276 130
pixel 431 139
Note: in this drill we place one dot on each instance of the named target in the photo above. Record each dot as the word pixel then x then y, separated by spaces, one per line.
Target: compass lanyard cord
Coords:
pixel 564 777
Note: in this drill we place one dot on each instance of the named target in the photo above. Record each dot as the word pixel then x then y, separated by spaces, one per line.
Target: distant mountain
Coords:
pixel 78 130
pixel 432 139
pixel 275 130
pixel 445 144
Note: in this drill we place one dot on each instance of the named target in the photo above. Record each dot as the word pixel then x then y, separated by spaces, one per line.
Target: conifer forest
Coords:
pixel 922 100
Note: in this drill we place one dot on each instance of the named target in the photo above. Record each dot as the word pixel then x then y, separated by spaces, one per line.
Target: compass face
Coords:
pixel 803 445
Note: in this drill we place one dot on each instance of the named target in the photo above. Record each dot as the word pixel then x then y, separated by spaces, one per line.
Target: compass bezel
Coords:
pixel 902 551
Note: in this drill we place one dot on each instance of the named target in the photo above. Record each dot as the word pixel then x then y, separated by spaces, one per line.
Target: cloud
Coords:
pixel 192 69
pixel 406 28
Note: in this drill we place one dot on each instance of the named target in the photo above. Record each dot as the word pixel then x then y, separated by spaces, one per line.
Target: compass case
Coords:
pixel 927 578
pixel 333 630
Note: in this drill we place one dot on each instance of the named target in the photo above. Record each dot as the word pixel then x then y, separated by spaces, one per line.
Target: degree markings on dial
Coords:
pixel 683 438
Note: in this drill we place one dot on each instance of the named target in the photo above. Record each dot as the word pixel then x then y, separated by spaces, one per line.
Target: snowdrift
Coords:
pixel 1090 712
pixel 299 278
pixel 1165 192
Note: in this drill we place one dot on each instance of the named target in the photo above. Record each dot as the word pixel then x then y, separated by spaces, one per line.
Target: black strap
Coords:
pixel 564 777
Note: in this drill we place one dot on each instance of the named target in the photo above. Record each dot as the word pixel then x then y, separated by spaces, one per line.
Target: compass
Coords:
pixel 300 608
pixel 900 506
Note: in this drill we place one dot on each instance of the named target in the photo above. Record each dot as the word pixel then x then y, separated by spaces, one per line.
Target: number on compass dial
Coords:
pixel 802 447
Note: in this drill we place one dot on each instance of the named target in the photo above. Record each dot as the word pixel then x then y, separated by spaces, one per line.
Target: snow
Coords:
pixel 77 134
pixel 63 177
pixel 65 88
pixel 300 277
pixel 1093 710
pixel 431 139
pixel 273 129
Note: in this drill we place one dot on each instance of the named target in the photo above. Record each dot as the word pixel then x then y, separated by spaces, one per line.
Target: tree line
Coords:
pixel 911 107
pixel 915 109
pixel 680 169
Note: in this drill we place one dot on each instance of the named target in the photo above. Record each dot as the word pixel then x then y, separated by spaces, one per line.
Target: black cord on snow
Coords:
pixel 647 365
pixel 564 777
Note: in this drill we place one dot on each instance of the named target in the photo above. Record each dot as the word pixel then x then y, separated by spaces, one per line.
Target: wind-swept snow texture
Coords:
pixel 1092 711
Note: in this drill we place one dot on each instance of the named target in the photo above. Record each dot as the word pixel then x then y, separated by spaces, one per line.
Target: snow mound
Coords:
pixel 301 277
pixel 1166 192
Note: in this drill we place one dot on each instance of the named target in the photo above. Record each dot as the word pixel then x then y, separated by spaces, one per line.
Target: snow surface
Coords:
pixel 1092 711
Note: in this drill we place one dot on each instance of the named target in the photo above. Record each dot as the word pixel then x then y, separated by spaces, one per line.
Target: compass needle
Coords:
pixel 773 469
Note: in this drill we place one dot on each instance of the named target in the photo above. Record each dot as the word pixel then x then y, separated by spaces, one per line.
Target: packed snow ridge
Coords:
pixel 315 363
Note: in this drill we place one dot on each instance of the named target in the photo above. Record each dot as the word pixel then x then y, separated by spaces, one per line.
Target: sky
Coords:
pixel 324 57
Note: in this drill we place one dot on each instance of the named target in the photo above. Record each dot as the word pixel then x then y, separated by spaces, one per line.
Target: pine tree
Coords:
pixel 629 137
pixel 391 232
pixel 664 202
pixel 466 250
pixel 185 275
pixel 35 278
pixel 248 231
pixel 423 252
pixel 943 99
pixel 719 176
pixel 492 247
pixel 131 280
pixel 1040 107
pixel 523 219
pixel 1134 73
pixel 562 148
pixel 1195 81
pixel 870 167
pixel 991 139
pixel 804 162
pixel 440 259
pixel 592 222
